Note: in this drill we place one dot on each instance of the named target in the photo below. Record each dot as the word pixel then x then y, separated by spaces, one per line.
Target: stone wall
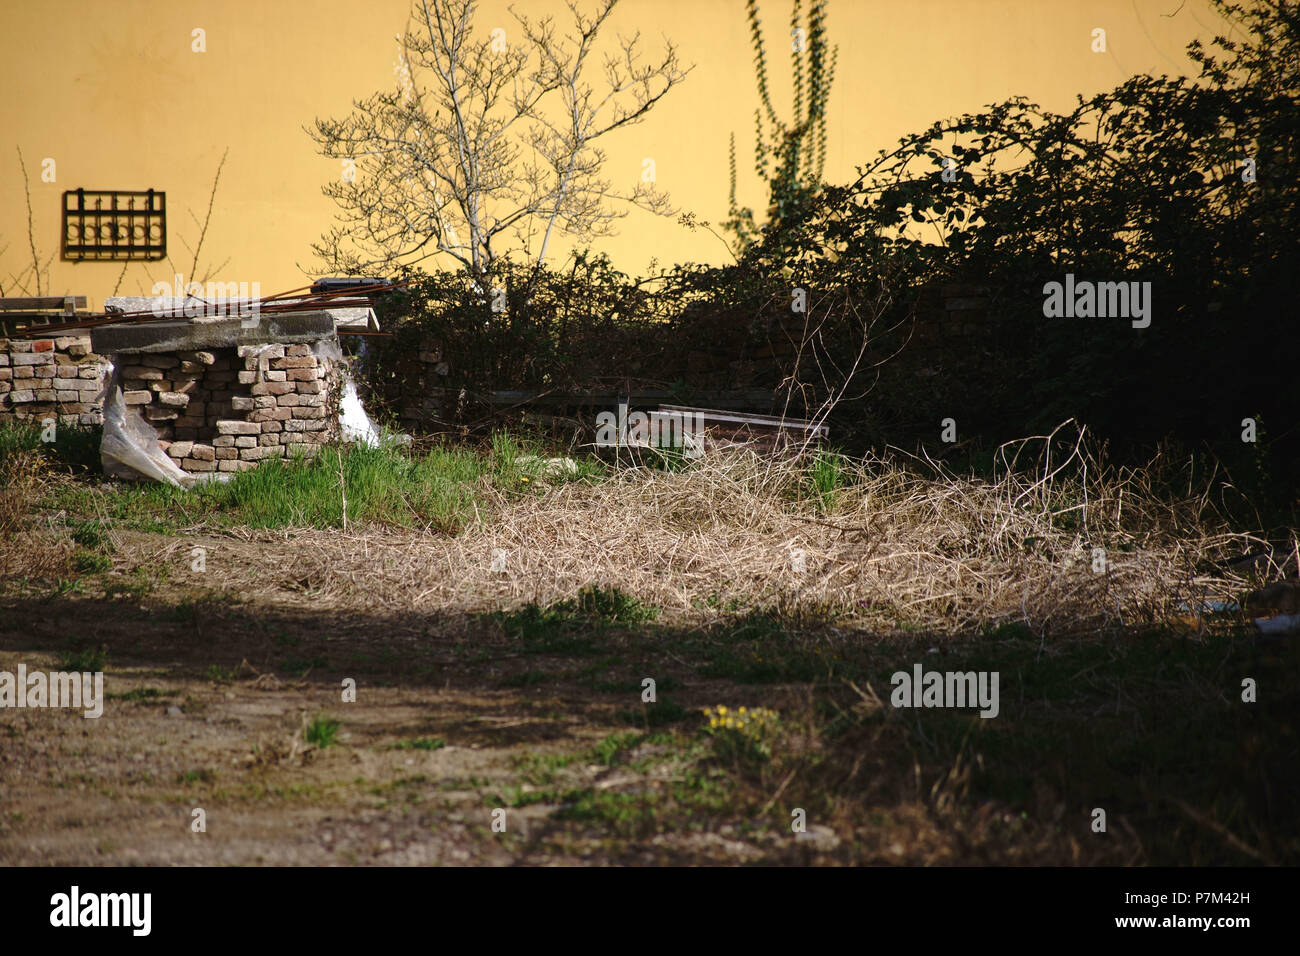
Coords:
pixel 51 378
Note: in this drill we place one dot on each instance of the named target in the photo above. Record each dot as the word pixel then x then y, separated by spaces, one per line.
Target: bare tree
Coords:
pixel 486 142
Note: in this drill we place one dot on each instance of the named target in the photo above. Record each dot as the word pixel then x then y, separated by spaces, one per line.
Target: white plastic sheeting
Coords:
pixel 130 445
pixel 354 424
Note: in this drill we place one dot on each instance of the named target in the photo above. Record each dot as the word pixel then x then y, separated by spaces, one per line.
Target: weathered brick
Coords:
pixel 263 401
pixel 202 358
pixel 246 441
pixel 22 395
pixel 180 449
pixel 66 382
pixel 252 351
pixel 224 441
pixel 298 361
pixel 311 388
pixel 45 371
pixel 234 427
pixel 142 372
pixel 226 454
pixel 288 400
pixel 162 385
pixel 43 345
pixel 312 401
pixel 274 376
pixel 6 374
pixel 19 345
pixel 202 452
pixel 304 425
pixel 195 464
pixel 174 399
pixel 242 403
pixel 137 398
pixel 155 414
pixel 66 395
pixel 269 438
pixel 247 378
pixel 304 374
pixel 272 388
pixel 90 372
pixel 24 371
pixel 33 358
pixel 308 412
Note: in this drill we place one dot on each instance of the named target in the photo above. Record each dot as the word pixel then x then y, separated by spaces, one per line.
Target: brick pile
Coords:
pixel 51 378
pixel 230 409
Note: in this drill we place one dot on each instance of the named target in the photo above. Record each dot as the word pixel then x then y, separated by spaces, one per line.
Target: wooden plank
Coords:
pixel 738 399
pixel 761 421
pixel 56 302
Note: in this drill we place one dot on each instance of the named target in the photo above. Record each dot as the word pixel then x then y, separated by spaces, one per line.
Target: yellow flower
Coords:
pixel 742 710
pixel 721 709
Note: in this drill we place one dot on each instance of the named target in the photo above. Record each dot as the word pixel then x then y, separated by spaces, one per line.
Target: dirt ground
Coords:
pixel 207 705
pixel 461 724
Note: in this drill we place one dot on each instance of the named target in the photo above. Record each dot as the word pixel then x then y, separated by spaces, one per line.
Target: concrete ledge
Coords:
pixel 188 335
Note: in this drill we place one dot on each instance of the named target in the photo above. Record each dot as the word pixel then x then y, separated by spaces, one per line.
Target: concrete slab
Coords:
pixel 162 306
pixel 180 335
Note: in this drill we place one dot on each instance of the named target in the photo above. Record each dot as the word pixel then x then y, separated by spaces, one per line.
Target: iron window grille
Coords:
pixel 114 224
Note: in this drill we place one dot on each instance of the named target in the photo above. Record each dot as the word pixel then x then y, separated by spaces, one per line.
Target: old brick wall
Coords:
pixel 229 409
pixel 51 378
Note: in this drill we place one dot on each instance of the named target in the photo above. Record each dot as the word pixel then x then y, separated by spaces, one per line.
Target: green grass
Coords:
pixel 435 490
pixel 299 666
pixel 143 694
pixel 87 562
pixel 825 476
pixel 420 743
pixel 87 659
pixel 75 447
pixel 659 714
pixel 321 731
pixel 570 626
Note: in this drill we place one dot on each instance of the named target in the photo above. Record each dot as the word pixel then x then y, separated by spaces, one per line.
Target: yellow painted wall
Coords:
pixel 112 92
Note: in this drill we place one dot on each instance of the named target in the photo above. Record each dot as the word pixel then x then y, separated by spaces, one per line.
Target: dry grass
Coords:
pixel 25 550
pixel 887 547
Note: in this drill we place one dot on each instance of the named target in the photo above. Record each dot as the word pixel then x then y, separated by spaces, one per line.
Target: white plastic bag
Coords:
pixel 130 446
